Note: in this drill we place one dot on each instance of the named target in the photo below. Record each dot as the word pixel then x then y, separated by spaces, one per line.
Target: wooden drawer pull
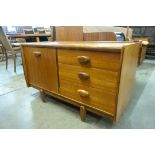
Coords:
pixel 37 54
pixel 83 76
pixel 83 59
pixel 83 93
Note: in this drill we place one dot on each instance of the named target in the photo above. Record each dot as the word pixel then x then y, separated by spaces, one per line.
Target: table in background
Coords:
pixel 36 35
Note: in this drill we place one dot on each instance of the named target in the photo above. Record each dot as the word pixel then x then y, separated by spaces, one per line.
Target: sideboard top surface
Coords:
pixel 81 45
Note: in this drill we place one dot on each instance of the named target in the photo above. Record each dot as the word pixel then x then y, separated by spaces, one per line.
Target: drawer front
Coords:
pixel 96 59
pixel 93 77
pixel 41 67
pixel 92 97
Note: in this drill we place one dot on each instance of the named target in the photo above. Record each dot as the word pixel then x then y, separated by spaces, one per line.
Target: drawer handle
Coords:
pixel 83 93
pixel 83 76
pixel 83 59
pixel 37 54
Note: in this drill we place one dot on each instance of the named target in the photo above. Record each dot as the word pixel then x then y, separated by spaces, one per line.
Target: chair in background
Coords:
pixel 13 51
pixel 28 31
pixel 2 52
pixel 29 39
pixel 20 40
pixel 42 31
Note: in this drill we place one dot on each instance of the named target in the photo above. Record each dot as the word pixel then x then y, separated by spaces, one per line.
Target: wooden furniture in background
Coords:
pixel 96 77
pixel 20 40
pixel 43 38
pixel 30 39
pixel 151 51
pixel 28 31
pixel 41 31
pixel 69 33
pixel 35 35
pixel 143 48
pixel 100 36
pixel 13 51
pixel 89 33
pixel 91 29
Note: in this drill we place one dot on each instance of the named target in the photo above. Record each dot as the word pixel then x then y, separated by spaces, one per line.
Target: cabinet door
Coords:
pixel 41 67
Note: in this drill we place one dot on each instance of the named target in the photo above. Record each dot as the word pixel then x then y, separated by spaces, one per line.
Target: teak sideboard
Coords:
pixel 96 77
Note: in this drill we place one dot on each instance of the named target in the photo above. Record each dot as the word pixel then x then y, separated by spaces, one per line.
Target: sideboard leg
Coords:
pixel 113 122
pixel 42 95
pixel 82 113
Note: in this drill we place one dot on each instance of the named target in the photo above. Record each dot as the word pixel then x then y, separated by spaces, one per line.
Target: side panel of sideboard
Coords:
pixel 127 79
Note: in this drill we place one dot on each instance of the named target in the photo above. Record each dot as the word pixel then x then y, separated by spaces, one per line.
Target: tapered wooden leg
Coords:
pixel 42 94
pixel 82 113
pixel 114 122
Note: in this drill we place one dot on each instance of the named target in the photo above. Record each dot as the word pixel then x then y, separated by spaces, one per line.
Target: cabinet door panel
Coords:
pixel 41 67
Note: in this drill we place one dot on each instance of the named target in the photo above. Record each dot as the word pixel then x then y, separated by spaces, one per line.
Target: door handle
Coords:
pixel 37 54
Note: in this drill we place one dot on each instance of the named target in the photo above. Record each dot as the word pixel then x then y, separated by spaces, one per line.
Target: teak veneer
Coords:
pixel 95 76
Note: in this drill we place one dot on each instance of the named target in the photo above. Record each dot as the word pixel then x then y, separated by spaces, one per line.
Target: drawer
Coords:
pixel 92 97
pixel 96 59
pixel 93 77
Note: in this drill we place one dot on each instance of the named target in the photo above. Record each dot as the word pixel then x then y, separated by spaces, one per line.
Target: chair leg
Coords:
pixel 6 59
pixel 14 60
